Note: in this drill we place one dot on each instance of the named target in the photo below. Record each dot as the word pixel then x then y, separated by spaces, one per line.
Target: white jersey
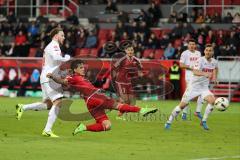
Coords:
pixel 52 59
pixel 206 66
pixel 189 58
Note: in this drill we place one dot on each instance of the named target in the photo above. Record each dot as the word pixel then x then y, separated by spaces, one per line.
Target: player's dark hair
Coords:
pixel 128 46
pixel 75 64
pixel 208 45
pixel 55 31
pixel 191 40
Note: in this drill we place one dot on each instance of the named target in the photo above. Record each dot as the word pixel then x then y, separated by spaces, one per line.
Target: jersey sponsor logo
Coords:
pixel 193 58
pixel 207 70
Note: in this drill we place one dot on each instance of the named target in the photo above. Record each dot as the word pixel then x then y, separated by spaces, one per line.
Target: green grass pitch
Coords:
pixel 136 138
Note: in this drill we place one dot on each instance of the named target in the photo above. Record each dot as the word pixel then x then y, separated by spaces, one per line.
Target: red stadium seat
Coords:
pixel 166 31
pixel 200 2
pixel 77 51
pixel 72 7
pixel 101 43
pixel 177 43
pixel 84 52
pixel 32 52
pixel 53 10
pixel 157 32
pixel 2 2
pixel 219 2
pixel 147 52
pixel 211 10
pixel 215 2
pixel 76 1
pixel 103 34
pixel 94 52
pixel 236 2
pixel 43 10
pixel 65 13
pixel 158 53
pixel 228 2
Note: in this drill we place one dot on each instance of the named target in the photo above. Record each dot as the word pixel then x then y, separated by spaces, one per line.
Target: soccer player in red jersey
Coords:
pixel 95 100
pixel 123 72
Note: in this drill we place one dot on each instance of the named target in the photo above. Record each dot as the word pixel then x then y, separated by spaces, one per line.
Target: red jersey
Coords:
pixel 82 85
pixel 126 68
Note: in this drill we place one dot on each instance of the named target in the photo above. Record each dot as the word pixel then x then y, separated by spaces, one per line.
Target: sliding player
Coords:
pixel 204 70
pixel 52 91
pixel 187 60
pixel 95 100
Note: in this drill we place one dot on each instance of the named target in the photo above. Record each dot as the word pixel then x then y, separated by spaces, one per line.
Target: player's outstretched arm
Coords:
pixel 57 79
pixel 201 73
pixel 184 66
pixel 58 57
pixel 214 77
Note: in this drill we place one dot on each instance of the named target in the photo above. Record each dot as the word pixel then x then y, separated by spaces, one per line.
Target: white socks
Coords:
pixel 185 110
pixel 174 114
pixel 208 110
pixel 35 106
pixel 199 104
pixel 52 116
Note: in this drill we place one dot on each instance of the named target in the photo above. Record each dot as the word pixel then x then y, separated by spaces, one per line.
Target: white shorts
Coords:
pixel 191 92
pixel 51 90
pixel 187 81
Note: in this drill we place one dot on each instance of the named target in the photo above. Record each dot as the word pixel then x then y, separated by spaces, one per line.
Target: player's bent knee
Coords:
pixel 58 102
pixel 107 125
pixel 210 99
pixel 182 105
pixel 48 103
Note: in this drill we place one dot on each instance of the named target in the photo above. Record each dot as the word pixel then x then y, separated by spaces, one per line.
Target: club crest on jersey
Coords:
pixel 56 48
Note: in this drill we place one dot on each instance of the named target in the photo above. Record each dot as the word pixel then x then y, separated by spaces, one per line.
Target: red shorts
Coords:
pixel 123 88
pixel 97 104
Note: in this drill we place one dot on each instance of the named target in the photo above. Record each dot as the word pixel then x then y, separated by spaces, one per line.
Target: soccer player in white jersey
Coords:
pixel 204 71
pixel 52 92
pixel 187 61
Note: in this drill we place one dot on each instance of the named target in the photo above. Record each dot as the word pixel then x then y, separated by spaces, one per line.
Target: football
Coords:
pixel 221 103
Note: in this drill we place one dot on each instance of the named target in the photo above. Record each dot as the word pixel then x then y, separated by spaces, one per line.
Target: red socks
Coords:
pixel 96 127
pixel 128 108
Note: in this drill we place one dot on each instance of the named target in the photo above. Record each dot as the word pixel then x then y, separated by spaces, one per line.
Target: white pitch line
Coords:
pixel 216 158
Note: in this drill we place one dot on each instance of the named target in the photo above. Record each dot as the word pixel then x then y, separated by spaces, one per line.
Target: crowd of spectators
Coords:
pixel 17 37
pixel 22 78
pixel 151 15
pixel 87 2
pixel 174 41
pixel 197 16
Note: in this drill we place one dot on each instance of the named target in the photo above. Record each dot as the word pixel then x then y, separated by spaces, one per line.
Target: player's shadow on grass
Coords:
pixel 65 113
